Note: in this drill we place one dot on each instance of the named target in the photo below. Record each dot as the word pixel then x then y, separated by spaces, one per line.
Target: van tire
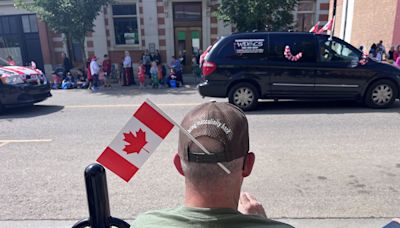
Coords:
pixel 381 94
pixel 244 95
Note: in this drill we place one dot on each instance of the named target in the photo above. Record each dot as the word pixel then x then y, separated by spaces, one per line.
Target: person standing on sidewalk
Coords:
pixel 397 63
pixel 176 65
pixel 396 53
pixel 66 63
pixel 107 70
pixel 94 70
pixel 381 51
pixel 127 65
pixel 146 59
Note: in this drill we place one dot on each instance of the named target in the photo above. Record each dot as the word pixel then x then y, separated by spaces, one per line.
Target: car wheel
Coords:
pixel 381 94
pixel 244 96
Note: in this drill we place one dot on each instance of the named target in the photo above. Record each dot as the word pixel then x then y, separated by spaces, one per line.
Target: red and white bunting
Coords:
pixel 137 140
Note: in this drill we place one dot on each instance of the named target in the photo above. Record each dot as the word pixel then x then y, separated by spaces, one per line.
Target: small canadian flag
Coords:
pixel 314 29
pixel 328 26
pixel 137 140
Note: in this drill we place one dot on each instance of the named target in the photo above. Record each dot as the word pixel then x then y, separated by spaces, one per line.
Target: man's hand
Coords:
pixel 249 205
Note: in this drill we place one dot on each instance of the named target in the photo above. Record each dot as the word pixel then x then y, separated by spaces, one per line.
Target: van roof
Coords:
pixel 283 33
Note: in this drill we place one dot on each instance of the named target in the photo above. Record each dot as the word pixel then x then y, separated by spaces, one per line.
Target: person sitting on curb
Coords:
pixel 213 198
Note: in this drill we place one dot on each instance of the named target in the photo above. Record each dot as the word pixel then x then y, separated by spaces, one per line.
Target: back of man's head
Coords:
pixel 223 130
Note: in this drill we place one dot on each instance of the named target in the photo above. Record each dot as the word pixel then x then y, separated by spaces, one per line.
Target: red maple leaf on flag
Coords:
pixel 135 143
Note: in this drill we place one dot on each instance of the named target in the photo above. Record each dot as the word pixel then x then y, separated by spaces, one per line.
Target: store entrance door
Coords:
pixel 187 44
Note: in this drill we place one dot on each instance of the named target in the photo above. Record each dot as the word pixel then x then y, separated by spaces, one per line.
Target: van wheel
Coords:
pixel 381 94
pixel 244 96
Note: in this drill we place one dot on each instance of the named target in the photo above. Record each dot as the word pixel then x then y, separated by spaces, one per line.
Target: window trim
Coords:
pixel 184 4
pixel 306 11
pixel 114 45
pixel 28 17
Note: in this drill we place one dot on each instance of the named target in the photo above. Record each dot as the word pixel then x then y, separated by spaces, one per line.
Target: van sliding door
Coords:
pixel 292 59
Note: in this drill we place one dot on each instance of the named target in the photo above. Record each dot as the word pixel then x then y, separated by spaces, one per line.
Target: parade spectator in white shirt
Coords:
pixel 128 70
pixel 94 70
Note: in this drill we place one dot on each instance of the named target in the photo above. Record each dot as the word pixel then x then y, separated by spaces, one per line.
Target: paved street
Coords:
pixel 336 160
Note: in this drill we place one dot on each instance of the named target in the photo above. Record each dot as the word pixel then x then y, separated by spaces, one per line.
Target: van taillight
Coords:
pixel 208 68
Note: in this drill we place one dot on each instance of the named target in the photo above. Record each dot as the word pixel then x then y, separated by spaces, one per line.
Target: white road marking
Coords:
pixel 8 141
pixel 126 105
pixel 3 144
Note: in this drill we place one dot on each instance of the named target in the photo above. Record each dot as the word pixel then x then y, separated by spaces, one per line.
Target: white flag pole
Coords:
pixel 186 133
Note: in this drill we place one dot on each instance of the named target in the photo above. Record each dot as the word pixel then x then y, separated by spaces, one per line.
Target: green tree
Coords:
pixel 248 15
pixel 74 18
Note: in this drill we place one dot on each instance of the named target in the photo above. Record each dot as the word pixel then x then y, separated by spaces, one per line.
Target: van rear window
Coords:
pixel 245 48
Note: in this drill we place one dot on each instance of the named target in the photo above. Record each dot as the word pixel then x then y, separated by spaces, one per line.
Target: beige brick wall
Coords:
pixel 372 21
pixel 338 21
pixel 396 35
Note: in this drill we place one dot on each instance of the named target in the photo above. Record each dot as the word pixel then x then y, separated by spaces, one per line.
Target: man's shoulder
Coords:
pixel 183 217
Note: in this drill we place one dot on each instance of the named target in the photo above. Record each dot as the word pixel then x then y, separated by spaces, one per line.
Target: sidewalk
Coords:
pixel 306 223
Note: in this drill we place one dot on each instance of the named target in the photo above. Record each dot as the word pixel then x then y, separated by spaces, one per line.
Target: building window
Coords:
pixel 10 39
pixel 29 23
pixel 9 25
pixel 187 11
pixel 125 24
pixel 305 18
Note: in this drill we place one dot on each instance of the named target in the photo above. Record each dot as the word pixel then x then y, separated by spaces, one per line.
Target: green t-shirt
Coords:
pixel 202 218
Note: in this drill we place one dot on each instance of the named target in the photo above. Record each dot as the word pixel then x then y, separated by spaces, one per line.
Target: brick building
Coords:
pixel 364 22
pixel 169 26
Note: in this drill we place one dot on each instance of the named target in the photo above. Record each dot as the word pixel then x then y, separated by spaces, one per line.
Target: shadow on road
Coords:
pixel 118 90
pixel 30 111
pixel 317 107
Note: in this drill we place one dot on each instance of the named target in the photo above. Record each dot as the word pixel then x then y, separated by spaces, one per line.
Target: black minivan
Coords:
pixel 246 67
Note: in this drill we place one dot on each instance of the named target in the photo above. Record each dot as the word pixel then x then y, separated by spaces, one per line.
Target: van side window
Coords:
pixel 254 48
pixel 297 44
pixel 334 51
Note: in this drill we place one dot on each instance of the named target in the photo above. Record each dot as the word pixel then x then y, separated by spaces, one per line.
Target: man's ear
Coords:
pixel 248 164
pixel 178 164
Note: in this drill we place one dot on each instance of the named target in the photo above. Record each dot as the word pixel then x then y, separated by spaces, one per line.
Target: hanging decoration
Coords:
pixel 288 54
pixel 364 59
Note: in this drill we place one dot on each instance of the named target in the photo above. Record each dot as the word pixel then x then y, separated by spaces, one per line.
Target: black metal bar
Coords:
pixel 334 15
pixel 82 223
pixel 334 21
pixel 334 8
pixel 97 195
pixel 118 223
